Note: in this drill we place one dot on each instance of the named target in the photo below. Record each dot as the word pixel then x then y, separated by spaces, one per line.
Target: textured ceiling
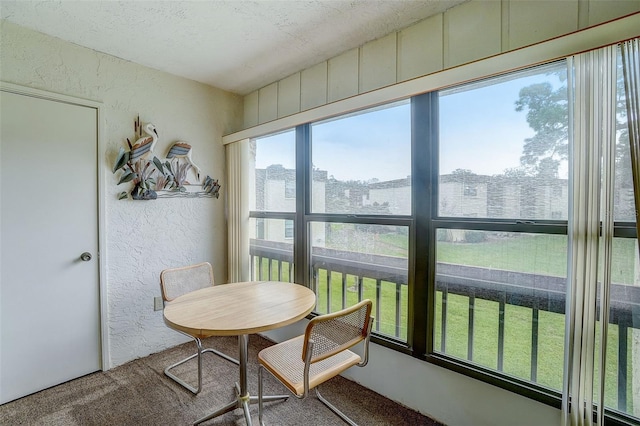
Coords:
pixel 238 46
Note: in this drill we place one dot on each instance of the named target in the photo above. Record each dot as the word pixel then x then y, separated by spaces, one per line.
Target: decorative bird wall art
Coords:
pixel 152 178
pixel 182 149
pixel 144 145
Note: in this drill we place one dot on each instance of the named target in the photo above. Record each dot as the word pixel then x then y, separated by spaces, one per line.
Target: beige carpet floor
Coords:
pixel 138 393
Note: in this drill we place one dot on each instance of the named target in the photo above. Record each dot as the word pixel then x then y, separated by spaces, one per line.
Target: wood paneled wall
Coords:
pixel 466 33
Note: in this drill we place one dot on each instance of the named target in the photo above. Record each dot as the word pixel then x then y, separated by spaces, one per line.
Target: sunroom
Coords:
pixel 461 184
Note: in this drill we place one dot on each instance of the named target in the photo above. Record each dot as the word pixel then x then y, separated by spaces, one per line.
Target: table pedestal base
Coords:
pixel 243 399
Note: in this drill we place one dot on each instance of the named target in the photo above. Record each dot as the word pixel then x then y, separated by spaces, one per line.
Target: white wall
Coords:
pixel 142 237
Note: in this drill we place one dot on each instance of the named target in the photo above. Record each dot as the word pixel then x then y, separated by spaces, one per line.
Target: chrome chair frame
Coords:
pixel 200 349
pixel 307 366
pixel 199 353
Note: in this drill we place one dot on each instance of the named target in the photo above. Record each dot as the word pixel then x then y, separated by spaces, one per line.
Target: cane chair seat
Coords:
pixel 323 352
pixel 284 362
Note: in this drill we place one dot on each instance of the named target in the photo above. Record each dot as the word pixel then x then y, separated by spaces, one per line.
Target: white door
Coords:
pixel 49 297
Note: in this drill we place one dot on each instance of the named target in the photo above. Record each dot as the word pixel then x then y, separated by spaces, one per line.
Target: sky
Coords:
pixel 480 130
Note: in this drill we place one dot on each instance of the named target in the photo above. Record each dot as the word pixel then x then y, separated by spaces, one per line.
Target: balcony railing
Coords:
pixel 273 260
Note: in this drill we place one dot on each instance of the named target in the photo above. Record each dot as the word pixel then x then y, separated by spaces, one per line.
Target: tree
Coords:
pixel 461 175
pixel 547 115
pixel 344 196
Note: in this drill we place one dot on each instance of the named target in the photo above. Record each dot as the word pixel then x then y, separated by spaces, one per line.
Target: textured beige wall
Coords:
pixel 466 33
pixel 142 237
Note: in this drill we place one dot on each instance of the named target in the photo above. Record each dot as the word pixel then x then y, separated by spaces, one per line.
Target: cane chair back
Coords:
pixel 306 361
pixel 333 333
pixel 175 282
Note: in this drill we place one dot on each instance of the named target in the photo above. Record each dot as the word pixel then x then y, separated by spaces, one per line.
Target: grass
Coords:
pixel 540 254
pixel 384 323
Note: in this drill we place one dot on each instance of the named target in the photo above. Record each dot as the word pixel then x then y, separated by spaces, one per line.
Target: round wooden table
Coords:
pixel 239 309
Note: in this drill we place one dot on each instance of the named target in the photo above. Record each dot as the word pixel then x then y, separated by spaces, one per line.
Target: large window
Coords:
pixel 359 216
pixel 352 261
pixel 272 204
pixel 622 368
pixel 501 267
pixel 273 171
pixel 503 147
pixel 450 211
pixel 346 181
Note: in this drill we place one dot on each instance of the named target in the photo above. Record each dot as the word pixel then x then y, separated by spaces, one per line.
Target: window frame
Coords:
pixel 422 224
pixel 289 229
pixel 425 161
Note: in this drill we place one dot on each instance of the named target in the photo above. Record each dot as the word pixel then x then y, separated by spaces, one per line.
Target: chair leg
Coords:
pixel 260 368
pixel 334 409
pixel 169 374
pixel 200 351
pixel 221 355
pixel 322 399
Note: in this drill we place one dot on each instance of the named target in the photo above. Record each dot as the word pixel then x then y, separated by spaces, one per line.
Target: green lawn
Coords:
pixel 517 345
pixel 540 254
pixel 386 323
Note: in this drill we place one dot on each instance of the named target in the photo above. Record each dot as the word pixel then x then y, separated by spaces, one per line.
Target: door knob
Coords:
pixel 86 256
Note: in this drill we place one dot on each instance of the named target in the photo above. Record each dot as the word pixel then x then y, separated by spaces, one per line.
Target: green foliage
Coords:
pixel 127 177
pixel 158 164
pixel 121 159
pixel 461 174
pixel 211 186
pixel 475 236
pixel 140 173
pixel 548 115
pixel 176 174
pixel 164 179
pixel 337 200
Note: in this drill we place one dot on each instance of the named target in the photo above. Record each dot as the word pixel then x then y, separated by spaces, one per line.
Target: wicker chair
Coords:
pixel 305 362
pixel 175 282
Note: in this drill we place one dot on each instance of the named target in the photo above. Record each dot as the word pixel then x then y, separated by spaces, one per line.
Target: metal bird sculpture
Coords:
pixel 145 144
pixel 182 149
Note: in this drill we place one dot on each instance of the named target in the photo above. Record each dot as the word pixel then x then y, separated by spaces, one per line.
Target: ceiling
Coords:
pixel 239 46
